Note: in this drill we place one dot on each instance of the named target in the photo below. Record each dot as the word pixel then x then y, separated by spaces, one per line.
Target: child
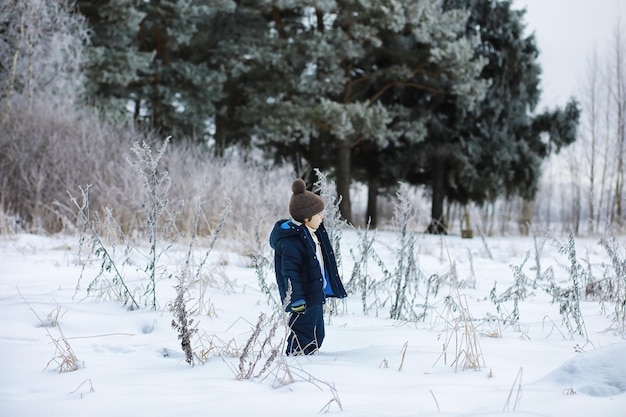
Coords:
pixel 306 269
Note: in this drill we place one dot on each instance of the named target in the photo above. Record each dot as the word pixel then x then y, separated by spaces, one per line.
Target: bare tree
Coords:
pixel 589 133
pixel 605 147
pixel 618 101
pixel 596 164
pixel 41 53
pixel 608 169
pixel 11 48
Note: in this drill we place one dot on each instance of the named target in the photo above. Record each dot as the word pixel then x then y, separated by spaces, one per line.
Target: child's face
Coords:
pixel 315 221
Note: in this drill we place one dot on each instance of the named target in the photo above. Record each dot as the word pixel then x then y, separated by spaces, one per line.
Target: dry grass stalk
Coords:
pixel 211 345
pixel 91 389
pixel 404 348
pixel 517 388
pixel 64 356
pixel 468 353
pixel 335 400
pixel 52 320
pixel 256 348
pixel 305 376
pixel 436 402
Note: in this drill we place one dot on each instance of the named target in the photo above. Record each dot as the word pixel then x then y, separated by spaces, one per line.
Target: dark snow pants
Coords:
pixel 307 331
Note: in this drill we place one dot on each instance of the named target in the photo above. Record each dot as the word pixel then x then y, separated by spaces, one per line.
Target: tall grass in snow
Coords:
pixel 405 272
pixel 99 242
pixel 160 225
pixel 399 284
pixel 332 216
pixel 102 239
pixel 333 223
pixel 361 282
pixel 569 298
pixel 160 217
pixel 612 287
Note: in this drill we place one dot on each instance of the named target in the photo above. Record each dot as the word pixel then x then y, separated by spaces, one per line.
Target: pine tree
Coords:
pixel 116 67
pixel 181 86
pixel 341 75
pixel 494 147
pixel 243 48
pixel 151 60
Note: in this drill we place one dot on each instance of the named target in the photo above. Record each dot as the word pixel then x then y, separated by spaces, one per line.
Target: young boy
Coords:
pixel 306 269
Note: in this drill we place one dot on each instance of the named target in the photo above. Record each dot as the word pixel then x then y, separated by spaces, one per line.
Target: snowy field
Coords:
pixel 131 362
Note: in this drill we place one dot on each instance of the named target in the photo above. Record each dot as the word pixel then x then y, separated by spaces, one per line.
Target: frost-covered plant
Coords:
pixel 263 266
pixel 332 216
pixel 333 223
pixel 516 293
pixel 569 298
pixel 400 283
pixel 182 321
pixel 613 288
pixel 261 347
pixel 537 248
pixel 200 279
pixel 360 279
pixel 406 270
pixel 109 282
pixel 433 283
pixel 160 222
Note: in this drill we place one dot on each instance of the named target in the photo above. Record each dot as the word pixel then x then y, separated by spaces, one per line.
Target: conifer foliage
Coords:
pixel 493 147
pixel 435 93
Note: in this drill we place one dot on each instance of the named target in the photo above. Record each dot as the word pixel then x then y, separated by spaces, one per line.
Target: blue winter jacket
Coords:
pixel 295 262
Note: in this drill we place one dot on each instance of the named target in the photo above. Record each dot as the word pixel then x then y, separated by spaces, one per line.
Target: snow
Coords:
pixel 131 363
pixel 599 373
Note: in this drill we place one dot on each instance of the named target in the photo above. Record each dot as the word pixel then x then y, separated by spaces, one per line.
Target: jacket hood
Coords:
pixel 283 229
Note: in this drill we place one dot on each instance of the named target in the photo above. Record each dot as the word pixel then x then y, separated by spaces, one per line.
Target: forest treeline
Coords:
pixel 438 94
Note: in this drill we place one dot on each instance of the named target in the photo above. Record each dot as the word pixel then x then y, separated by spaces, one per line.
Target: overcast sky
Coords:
pixel 567 32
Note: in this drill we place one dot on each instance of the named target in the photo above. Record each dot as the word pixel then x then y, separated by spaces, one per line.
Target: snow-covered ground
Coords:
pixel 131 362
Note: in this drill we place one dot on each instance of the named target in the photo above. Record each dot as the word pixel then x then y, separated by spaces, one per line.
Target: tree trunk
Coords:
pixel 314 159
pixel 16 54
pixel 604 203
pixel 372 199
pixel 343 178
pixel 31 71
pixel 593 120
pixel 619 104
pixel 437 222
pixel 220 135
pixel 466 232
pixel 619 183
pixel 525 217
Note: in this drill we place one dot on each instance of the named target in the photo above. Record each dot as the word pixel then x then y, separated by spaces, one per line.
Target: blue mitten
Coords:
pixel 298 306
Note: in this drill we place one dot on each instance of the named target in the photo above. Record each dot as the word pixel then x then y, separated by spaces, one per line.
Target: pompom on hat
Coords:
pixel 304 204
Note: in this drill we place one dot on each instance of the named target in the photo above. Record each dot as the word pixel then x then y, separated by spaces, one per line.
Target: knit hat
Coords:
pixel 304 204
